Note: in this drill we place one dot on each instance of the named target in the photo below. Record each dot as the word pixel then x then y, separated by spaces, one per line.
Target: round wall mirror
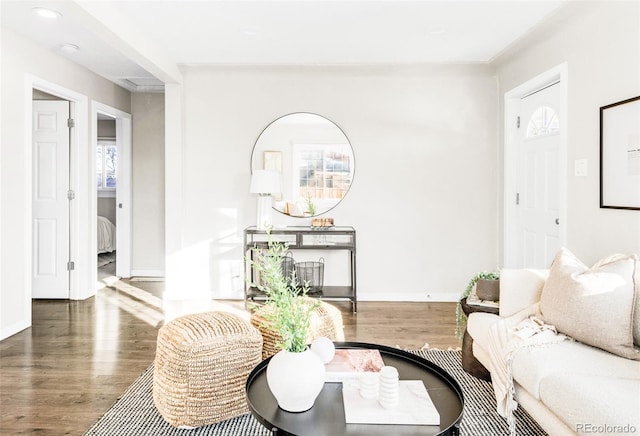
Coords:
pixel 315 159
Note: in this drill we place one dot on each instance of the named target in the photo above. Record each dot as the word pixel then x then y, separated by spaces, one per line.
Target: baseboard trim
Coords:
pixel 147 273
pixel 407 296
pixel 14 328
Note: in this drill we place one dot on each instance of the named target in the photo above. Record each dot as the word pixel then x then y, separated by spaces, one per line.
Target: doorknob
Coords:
pixel 120 206
pixel 557 219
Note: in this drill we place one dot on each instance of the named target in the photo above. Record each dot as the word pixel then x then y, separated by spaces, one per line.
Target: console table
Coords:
pixel 305 238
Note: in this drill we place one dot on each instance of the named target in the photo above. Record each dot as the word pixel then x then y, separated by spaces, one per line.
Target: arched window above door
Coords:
pixel 544 121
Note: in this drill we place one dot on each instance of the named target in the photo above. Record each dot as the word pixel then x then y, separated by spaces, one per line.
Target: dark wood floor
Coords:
pixel 63 373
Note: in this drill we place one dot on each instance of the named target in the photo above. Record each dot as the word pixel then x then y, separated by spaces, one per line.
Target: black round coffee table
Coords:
pixel 326 417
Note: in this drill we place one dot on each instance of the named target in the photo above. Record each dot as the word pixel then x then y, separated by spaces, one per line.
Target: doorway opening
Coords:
pixel 51 196
pixel 76 237
pixel 106 187
pixel 518 249
pixel 111 194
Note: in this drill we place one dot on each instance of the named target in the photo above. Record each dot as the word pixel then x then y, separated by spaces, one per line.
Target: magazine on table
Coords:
pixel 349 362
pixel 473 300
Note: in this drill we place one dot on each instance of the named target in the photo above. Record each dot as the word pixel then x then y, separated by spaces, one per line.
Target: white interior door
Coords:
pixel 538 182
pixel 50 203
pixel 123 196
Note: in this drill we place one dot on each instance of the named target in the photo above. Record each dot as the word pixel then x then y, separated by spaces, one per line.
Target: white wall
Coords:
pixel 600 41
pixel 424 195
pixel 148 240
pixel 107 208
pixel 106 129
pixel 20 57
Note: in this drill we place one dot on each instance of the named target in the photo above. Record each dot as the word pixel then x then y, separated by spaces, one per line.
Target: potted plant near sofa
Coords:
pixel 295 375
pixel 487 287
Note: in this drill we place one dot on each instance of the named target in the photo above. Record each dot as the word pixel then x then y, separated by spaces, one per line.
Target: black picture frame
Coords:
pixel 620 155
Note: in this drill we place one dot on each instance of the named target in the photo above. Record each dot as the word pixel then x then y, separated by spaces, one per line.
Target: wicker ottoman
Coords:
pixel 326 320
pixel 201 367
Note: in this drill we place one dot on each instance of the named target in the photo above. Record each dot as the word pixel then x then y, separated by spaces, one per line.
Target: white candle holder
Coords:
pixel 389 387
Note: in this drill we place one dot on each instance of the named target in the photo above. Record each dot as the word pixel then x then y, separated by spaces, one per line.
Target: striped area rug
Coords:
pixel 135 414
pixel 480 416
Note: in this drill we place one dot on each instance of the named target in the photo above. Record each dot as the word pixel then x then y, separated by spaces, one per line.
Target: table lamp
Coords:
pixel 264 183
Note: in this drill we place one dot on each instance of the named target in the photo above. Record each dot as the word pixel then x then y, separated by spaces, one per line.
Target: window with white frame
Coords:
pixel 106 167
pixel 323 172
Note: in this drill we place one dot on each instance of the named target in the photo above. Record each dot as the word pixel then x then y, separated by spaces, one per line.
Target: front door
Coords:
pixel 538 194
pixel 50 229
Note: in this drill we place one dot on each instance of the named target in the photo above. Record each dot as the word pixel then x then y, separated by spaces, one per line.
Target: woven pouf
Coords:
pixel 326 320
pixel 201 367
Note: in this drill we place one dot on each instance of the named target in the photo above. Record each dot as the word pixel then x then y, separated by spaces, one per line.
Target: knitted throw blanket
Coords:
pixel 524 329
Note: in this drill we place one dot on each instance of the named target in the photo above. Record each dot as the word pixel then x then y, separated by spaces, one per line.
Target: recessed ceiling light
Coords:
pixel 437 30
pixel 47 13
pixel 249 30
pixel 69 48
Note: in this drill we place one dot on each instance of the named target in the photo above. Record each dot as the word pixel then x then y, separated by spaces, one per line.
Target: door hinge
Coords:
pixel 71 266
pixel 71 194
pixel 517 198
pixel 71 122
pixel 518 122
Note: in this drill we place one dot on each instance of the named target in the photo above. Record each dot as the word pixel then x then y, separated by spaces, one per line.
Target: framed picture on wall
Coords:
pixel 620 155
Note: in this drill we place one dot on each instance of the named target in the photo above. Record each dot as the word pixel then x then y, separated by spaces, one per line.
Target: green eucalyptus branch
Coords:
pixel 289 309
pixel 310 206
pixel 461 318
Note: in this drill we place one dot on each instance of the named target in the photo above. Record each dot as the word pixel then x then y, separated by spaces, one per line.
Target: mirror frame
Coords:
pixel 254 159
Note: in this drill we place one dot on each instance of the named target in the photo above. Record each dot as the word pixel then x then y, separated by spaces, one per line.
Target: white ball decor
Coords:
pixel 324 349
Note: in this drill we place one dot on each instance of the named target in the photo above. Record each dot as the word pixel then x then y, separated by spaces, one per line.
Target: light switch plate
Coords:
pixel 580 168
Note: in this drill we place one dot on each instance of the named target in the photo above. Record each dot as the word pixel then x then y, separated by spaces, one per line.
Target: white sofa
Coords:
pixel 567 387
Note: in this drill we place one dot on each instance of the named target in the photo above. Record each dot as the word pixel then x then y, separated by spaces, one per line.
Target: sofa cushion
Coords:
pixel 593 405
pixel 636 280
pixel 478 326
pixel 593 305
pixel 519 289
pixel 533 365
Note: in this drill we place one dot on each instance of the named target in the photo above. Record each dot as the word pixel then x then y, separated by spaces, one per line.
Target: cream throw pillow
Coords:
pixel 593 305
pixel 636 280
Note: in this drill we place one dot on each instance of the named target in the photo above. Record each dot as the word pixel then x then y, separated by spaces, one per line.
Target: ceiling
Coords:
pixel 133 42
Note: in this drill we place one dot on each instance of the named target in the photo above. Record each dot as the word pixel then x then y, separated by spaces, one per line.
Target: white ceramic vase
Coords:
pixel 295 379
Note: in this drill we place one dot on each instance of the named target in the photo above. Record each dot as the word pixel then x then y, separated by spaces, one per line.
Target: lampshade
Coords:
pixel 265 182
